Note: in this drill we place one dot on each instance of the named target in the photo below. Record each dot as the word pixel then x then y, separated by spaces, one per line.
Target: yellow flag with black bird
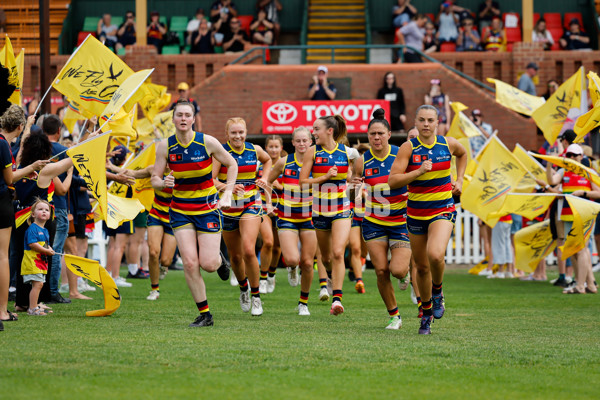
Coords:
pixel 126 91
pixel 515 99
pixel 533 244
pixel 164 125
pixel 571 165
pixel 528 205
pixel 9 61
pixel 92 270
pixel 142 188
pixel 530 163
pixel 584 216
pixel 92 75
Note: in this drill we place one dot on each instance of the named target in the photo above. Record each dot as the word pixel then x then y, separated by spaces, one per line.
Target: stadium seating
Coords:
pixel 178 24
pixel 245 21
pixel 447 47
pixel 553 20
pixel 171 49
pixel 571 15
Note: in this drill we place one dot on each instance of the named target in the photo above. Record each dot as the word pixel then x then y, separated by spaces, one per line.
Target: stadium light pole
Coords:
pixel 141 12
pixel 45 78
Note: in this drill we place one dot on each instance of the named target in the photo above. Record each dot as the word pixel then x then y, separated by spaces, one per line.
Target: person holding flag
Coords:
pixel 194 213
pixel 424 164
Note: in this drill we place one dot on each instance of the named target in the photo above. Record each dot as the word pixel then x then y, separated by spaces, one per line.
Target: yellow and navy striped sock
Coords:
pixel 323 283
pixel 203 307
pixel 254 291
pixel 394 312
pixel 303 298
pixel 155 287
pixel 436 289
pixel 243 285
pixel 263 275
pixel 427 308
pixel 272 271
pixel 419 304
pixel 337 296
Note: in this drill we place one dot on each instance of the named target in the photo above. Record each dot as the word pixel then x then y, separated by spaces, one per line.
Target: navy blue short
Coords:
pixel 153 221
pixel 126 228
pixel 231 224
pixel 283 225
pixel 393 234
pixel 421 226
pixel 356 220
pixel 324 223
pixel 204 223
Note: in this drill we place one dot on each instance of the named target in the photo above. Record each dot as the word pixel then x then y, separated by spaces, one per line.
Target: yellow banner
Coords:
pixel 89 158
pixel 71 117
pixel 125 91
pixel 533 244
pixel 156 99
pixel 92 270
pixel 163 123
pixel 121 209
pixel 120 125
pixel 498 173
pixel 92 75
pixel 142 189
pixel 8 60
pixel 562 108
pixel 572 166
pixel 590 119
pixel 594 86
pixel 529 206
pixel 515 99
pixel 530 163
pixel 461 125
pixel 584 215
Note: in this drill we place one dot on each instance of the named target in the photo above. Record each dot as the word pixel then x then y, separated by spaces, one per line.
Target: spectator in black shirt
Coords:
pixel 321 89
pixel 236 39
pixel 574 38
pixel 126 32
pixel 202 40
pixel 391 92
pixel 488 9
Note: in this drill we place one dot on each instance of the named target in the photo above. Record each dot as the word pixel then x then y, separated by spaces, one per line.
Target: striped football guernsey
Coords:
pixel 570 183
pixel 247 172
pixel 275 193
pixel 431 193
pixel 161 204
pixel 329 197
pixel 384 206
pixel 194 192
pixel 295 205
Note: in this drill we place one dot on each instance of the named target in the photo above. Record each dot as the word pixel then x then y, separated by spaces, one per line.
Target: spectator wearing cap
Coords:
pixel 184 94
pixel 574 38
pixel 526 80
pixel 126 33
pixel 477 119
pixel 119 154
pixel 321 88
pixel 156 30
pixel 412 35
pixel 565 140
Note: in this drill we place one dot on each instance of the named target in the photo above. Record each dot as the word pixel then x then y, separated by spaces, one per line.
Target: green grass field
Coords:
pixel 501 339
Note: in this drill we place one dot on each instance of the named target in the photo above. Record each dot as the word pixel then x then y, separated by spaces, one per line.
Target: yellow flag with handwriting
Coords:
pixel 573 166
pixel 72 115
pixel 584 215
pixel 461 125
pixel 529 206
pixel 92 270
pixel 164 124
pixel 155 100
pixel 515 99
pixel 120 209
pixel 89 158
pixel 529 162
pixel 562 108
pixel 8 60
pixel 142 189
pixel 533 244
pixel 92 75
pixel 126 91
pixel 590 119
pixel 498 173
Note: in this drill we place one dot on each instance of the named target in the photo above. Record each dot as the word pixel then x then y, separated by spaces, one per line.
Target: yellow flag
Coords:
pixel 8 60
pixel 89 158
pixel 515 99
pixel 126 90
pixel 142 189
pixel 529 162
pixel 594 86
pixel 92 75
pixel 121 209
pixel 119 125
pixel 529 206
pixel 584 215
pixel 533 244
pixel 591 119
pixel 164 124
pixel 155 100
pixel 92 270
pixel 483 264
pixel 71 116
pixel 461 125
pixel 571 165
pixel 562 108
pixel 498 174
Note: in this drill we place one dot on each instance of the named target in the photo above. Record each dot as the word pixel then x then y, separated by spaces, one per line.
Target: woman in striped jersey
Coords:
pixel 241 222
pixel 295 215
pixel 194 211
pixel 423 164
pixel 384 222
pixel 329 163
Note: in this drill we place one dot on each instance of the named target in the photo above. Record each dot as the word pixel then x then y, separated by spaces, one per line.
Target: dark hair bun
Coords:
pixel 379 114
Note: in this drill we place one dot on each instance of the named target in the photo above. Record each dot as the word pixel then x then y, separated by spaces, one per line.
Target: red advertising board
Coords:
pixel 280 117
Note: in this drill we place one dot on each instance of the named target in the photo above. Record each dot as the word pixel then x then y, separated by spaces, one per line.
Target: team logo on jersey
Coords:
pixel 321 160
pixel 291 172
pixel 372 171
pixel 417 158
pixel 175 157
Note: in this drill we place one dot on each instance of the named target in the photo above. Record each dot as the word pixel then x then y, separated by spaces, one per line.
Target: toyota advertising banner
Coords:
pixel 280 117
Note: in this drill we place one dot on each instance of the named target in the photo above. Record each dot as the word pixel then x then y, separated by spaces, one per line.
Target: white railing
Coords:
pixel 97 244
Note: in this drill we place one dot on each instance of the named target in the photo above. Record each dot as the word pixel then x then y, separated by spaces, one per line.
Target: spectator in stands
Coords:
pixel 412 35
pixel 126 32
pixel 495 37
pixel 392 93
pixel 468 37
pixel 461 12
pixel 202 40
pixel 552 87
pixel 261 29
pixel 236 39
pixel 184 94
pixel 156 30
pixel 321 88
pixel 272 8
pixel 441 101
pixel 574 38
pixel 488 9
pixel 526 80
pixel 541 34
pixel 403 13
pixel 107 31
pixel 430 42
pixel 220 7
pixel 447 23
pixel 194 23
pixel 484 127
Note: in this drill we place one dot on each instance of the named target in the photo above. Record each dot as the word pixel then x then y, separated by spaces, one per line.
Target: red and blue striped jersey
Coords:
pixel 570 183
pixel 275 193
pixel 384 206
pixel 247 172
pixel 431 193
pixel 295 204
pixel 161 204
pixel 329 197
pixel 194 192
